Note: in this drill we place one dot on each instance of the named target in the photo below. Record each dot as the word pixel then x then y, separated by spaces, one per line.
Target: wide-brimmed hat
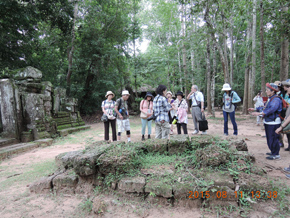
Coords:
pixel 168 92
pixel 278 83
pixel 125 92
pixel 272 86
pixel 109 93
pixel 286 82
pixel 226 87
pixel 148 94
pixel 180 93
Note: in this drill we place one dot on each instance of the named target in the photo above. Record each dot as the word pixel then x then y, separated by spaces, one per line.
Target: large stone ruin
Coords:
pixel 31 109
pixel 117 167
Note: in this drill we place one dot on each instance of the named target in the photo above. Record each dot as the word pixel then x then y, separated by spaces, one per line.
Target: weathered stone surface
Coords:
pixel 211 156
pixel 178 144
pixel 119 158
pixel 244 155
pixel 44 142
pixel 253 182
pixel 44 185
pixel 201 141
pixel 181 190
pixel 99 206
pixel 65 160
pixel 27 73
pixel 65 183
pixel 59 93
pixel 159 188
pixel 135 184
pixel 26 137
pixel 156 145
pixel 240 144
pixel 7 108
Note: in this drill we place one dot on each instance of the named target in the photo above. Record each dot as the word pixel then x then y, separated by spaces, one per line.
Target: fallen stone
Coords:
pixel 65 183
pixel 178 144
pixel 135 184
pixel 158 188
pixel 99 206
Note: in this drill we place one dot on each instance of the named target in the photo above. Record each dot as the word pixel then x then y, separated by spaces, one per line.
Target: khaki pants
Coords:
pixel 162 130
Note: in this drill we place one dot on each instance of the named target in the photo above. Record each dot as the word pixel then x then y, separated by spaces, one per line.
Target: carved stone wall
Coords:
pixel 31 109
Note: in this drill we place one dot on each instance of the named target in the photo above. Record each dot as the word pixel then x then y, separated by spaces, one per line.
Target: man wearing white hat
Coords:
pixel 121 108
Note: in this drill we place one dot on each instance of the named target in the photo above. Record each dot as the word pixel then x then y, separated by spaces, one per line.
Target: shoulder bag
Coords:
pixel 203 125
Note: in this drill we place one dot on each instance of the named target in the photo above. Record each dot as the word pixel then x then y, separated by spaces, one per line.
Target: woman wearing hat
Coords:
pixel 146 108
pixel 107 108
pixel 171 112
pixel 272 120
pixel 181 106
pixel 230 98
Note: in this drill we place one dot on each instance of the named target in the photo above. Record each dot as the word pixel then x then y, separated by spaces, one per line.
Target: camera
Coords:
pixel 153 117
pixel 175 119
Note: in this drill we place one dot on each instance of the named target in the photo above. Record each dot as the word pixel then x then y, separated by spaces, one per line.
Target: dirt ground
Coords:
pixel 21 170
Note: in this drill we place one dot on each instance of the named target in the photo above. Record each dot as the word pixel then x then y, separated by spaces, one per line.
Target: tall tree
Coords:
pixel 262 49
pixel 284 66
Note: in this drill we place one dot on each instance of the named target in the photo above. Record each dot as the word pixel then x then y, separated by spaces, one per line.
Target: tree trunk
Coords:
pixel 208 78
pixel 218 46
pixel 252 76
pixel 262 50
pixel 231 52
pixel 212 93
pixel 284 51
pixel 184 51
pixel 70 56
pixel 247 70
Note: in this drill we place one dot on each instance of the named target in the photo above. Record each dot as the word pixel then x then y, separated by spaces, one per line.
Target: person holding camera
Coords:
pixel 108 109
pixel 259 105
pixel 121 108
pixel 197 107
pixel 181 106
pixel 161 106
pixel 146 108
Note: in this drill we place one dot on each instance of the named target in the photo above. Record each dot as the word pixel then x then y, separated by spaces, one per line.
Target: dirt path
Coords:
pixel 19 171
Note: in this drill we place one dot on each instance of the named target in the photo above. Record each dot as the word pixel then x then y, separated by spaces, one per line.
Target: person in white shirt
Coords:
pixel 197 107
pixel 259 105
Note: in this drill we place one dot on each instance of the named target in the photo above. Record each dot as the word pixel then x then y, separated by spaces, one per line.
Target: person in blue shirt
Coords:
pixel 230 98
pixel 272 120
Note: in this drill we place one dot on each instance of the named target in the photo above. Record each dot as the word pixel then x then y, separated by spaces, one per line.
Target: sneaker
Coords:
pixel 268 153
pixel 287 149
pixel 287 169
pixel 171 132
pixel 287 176
pixel 195 132
pixel 281 145
pixel 274 157
pixel 226 134
pixel 203 132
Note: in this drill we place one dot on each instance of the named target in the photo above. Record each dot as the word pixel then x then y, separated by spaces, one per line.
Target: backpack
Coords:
pixel 285 105
pixel 232 94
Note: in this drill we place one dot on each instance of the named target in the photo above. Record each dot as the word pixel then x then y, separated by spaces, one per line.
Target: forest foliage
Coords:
pixel 90 46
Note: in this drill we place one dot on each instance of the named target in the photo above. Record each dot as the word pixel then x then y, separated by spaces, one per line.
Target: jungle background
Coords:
pixel 92 46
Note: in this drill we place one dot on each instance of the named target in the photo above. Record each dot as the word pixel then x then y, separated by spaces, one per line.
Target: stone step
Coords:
pixel 7 151
pixel 65 132
pixel 5 142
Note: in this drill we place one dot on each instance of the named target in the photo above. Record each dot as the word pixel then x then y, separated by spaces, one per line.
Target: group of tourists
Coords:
pixel 165 111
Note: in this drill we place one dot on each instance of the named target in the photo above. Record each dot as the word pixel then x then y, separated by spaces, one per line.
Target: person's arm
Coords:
pixel 141 107
pixel 103 108
pixel 255 99
pixel 274 107
pixel 117 111
pixel 236 98
pixel 202 102
pixel 283 125
pixel 189 96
